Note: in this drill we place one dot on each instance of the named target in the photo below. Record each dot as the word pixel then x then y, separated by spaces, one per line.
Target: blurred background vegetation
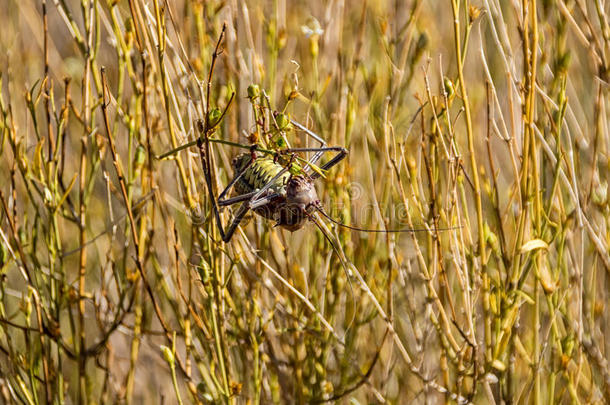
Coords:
pixel 482 123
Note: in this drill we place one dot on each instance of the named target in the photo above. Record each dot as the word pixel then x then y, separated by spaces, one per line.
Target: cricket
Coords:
pixel 269 185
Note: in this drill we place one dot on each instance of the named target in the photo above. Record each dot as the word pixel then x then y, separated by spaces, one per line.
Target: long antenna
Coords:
pixel 355 228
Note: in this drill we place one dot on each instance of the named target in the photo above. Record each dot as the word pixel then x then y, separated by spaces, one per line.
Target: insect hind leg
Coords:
pixel 204 148
pixel 316 137
pixel 319 151
pixel 239 216
pixel 341 153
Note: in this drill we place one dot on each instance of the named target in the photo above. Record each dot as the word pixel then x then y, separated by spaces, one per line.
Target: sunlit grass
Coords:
pixel 483 125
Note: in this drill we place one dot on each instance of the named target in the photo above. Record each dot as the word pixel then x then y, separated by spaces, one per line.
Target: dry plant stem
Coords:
pixel 137 23
pixel 135 346
pixel 204 153
pixel 34 292
pixel 531 108
pixel 47 86
pixel 450 395
pixel 88 16
pixel 51 146
pixel 444 282
pixel 390 327
pixel 469 132
pixel 530 181
pixel 161 40
pixel 132 224
pixel 307 302
pixel 273 307
pixel 486 284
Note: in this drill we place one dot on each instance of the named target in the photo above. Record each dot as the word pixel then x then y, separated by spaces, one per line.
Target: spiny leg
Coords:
pixel 250 203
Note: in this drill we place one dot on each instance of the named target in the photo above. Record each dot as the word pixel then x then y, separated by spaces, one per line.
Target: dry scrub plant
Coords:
pixel 481 123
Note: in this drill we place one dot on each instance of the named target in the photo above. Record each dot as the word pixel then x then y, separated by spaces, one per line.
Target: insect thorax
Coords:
pixel 258 174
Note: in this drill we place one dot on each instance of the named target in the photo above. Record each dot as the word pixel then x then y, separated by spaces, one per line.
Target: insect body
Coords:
pixel 265 185
pixel 293 197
